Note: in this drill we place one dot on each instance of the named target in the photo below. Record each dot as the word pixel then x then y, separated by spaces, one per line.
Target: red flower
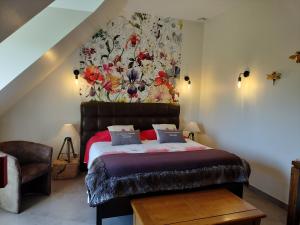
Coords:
pixel 162 74
pixel 144 55
pixel 88 52
pixel 134 39
pixel 162 78
pixel 92 74
pixel 159 81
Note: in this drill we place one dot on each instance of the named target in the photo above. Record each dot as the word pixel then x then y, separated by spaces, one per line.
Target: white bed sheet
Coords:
pixel 102 148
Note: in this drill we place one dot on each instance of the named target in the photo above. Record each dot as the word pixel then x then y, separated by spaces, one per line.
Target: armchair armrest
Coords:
pixel 28 152
pixel 37 153
pixel 9 196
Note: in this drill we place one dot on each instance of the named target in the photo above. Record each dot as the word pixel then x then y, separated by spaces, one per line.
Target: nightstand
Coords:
pixel 294 199
pixel 62 169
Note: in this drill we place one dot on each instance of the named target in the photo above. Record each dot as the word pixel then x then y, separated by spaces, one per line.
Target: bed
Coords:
pixel 97 116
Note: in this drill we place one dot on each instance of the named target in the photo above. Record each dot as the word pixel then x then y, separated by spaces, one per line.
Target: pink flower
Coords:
pixel 107 68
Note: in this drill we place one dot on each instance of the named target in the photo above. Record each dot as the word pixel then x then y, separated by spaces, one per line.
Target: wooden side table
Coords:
pixel 3 171
pixel 293 217
pixel 62 169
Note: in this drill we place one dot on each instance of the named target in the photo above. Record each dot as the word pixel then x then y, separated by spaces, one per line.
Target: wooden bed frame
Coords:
pixel 96 116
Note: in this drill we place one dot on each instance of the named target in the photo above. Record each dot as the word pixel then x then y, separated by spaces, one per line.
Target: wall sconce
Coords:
pixel 76 74
pixel 274 76
pixel 246 73
pixel 296 57
pixel 187 79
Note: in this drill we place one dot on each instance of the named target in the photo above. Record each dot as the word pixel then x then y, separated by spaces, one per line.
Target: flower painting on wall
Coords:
pixel 133 60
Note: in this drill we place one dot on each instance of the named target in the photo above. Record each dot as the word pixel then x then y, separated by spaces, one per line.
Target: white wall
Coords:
pixel 40 115
pixel 259 122
pixel 191 59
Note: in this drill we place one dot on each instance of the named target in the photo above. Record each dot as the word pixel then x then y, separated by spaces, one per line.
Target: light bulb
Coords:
pixel 239 84
pixel 76 82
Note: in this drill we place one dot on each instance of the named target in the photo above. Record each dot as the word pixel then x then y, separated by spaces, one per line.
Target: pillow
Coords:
pixel 166 136
pixel 163 126
pixel 148 135
pixel 125 137
pixel 103 135
pixel 121 128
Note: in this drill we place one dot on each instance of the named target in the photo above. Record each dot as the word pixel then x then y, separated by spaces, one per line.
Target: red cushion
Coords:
pixel 148 135
pixel 101 136
pixel 3 171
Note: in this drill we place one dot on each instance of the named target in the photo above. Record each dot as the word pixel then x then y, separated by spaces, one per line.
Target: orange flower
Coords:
pixel 111 83
pixel 92 74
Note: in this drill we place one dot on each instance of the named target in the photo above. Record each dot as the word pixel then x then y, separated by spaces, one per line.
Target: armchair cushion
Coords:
pixel 33 170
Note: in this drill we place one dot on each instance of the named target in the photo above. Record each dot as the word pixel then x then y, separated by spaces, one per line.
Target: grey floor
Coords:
pixel 67 206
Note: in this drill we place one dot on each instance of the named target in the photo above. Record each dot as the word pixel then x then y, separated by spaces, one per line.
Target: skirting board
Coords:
pixel 269 197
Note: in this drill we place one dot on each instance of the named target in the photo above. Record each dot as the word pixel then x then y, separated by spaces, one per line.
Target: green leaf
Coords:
pixel 107 46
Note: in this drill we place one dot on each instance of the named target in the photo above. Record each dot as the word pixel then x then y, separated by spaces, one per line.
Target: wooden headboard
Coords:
pixel 96 116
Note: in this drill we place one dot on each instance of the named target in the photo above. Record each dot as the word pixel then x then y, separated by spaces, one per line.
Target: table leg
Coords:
pixel 294 199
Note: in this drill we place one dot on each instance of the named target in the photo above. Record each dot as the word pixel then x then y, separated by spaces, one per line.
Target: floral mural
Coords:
pixel 133 60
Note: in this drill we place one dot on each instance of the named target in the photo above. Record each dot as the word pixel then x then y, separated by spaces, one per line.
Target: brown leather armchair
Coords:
pixel 29 171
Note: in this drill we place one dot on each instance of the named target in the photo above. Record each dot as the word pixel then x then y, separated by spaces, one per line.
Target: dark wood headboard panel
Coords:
pixel 96 116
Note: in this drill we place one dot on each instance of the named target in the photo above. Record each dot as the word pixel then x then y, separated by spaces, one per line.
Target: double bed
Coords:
pixel 114 179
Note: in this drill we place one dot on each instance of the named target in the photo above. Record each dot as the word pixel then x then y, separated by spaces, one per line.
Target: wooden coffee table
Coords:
pixel 195 208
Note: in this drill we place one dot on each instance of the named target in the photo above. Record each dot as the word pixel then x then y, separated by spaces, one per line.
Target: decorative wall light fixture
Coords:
pixel 187 79
pixel 76 74
pixel 296 57
pixel 274 76
pixel 246 73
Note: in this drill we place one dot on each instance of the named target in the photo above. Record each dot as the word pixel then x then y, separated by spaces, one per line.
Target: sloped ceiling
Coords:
pixel 40 69
pixel 18 12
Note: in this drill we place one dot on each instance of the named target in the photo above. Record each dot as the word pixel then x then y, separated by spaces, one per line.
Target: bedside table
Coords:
pixel 62 169
pixel 294 199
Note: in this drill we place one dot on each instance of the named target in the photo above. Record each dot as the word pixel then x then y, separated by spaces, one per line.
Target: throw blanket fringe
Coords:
pixel 102 188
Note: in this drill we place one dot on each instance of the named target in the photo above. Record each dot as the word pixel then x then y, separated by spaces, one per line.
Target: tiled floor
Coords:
pixel 67 206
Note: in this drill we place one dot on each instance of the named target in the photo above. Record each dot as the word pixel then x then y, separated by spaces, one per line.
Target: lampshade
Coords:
pixel 192 127
pixel 68 130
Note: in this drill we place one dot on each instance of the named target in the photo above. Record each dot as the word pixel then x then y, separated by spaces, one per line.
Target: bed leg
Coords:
pixel 98 217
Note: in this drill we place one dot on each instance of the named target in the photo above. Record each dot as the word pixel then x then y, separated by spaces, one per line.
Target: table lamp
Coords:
pixel 68 130
pixel 192 127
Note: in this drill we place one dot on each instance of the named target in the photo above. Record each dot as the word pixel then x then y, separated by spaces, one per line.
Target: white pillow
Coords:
pixel 163 126
pixel 121 128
